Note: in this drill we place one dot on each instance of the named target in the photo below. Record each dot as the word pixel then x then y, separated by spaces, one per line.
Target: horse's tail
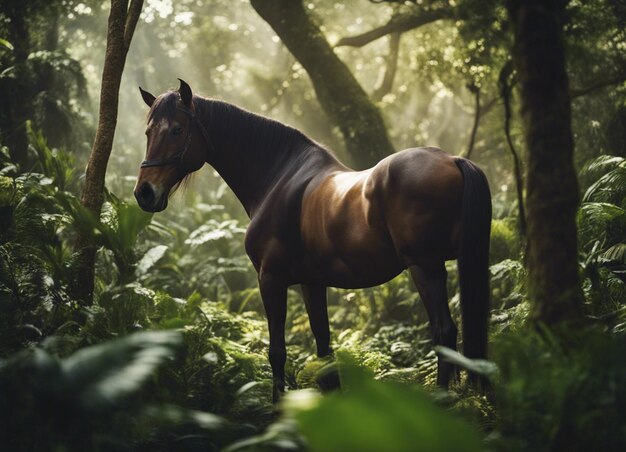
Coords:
pixel 473 260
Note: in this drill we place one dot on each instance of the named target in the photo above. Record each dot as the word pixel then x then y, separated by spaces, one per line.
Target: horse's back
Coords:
pixel 362 228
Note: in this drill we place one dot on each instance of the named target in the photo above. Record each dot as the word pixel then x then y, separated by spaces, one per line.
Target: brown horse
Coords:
pixel 316 223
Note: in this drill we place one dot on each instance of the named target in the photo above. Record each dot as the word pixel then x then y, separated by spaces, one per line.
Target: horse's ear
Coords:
pixel 147 97
pixel 185 93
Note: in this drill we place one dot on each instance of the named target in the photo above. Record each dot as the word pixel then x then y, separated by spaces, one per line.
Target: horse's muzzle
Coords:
pixel 148 200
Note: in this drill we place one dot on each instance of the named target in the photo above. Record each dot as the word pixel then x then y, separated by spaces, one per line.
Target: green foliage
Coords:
pixel 126 308
pixel 57 165
pixel 101 375
pixel 505 241
pixel 118 229
pixel 390 417
pixel 600 222
pixel 508 283
pixel 611 186
pixel 561 393
pixel 71 404
pixel 477 366
pixel 6 44
pixel 185 271
pixel 205 255
pixel 602 238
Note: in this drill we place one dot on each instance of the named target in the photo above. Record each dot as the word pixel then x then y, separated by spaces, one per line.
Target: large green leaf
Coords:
pixel 478 366
pixel 101 375
pixel 6 44
pixel 214 230
pixel 611 187
pixel 152 256
pixel 380 416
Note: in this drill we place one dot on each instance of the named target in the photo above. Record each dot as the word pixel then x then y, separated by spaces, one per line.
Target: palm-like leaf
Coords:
pixel 57 165
pixel 602 165
pixel 609 188
pixel 100 376
pixel 152 256
pixel 616 253
pixel 214 230
pixel 598 220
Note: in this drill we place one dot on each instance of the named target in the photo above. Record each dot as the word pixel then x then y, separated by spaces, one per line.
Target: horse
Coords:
pixel 317 223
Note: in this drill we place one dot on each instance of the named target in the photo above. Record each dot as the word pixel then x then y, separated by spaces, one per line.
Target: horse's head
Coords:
pixel 177 144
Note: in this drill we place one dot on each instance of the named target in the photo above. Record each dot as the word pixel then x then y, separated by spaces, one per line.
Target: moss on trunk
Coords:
pixel 551 184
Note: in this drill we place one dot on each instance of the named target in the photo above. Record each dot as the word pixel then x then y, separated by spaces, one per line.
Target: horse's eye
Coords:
pixel 177 131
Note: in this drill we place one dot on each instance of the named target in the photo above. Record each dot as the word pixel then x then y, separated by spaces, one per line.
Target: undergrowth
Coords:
pixel 172 353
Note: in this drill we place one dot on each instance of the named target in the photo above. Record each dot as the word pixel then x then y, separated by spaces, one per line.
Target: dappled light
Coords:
pixel 365 225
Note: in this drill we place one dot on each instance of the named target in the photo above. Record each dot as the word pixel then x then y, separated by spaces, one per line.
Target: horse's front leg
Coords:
pixel 274 294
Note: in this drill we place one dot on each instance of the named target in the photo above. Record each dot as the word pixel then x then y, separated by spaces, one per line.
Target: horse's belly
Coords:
pixel 359 258
pixel 345 276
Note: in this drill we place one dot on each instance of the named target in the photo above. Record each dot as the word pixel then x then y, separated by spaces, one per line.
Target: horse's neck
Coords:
pixel 249 157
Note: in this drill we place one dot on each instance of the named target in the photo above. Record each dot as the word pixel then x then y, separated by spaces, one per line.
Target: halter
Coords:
pixel 177 158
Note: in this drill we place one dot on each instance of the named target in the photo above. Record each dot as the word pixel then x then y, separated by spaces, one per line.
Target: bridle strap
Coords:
pixel 177 158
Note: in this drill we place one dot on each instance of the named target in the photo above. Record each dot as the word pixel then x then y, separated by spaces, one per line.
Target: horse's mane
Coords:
pixel 263 133
pixel 269 140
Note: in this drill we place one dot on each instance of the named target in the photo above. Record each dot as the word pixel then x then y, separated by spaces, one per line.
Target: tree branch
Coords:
pixel 134 11
pixel 476 91
pixel 397 24
pixel 613 80
pixel 389 72
pixel 506 89
pixel 340 95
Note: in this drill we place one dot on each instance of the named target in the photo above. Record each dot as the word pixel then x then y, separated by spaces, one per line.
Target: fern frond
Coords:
pixel 609 188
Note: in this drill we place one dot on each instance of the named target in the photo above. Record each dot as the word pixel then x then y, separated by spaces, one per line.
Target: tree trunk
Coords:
pixel 345 102
pixel 551 185
pixel 121 26
pixel 17 105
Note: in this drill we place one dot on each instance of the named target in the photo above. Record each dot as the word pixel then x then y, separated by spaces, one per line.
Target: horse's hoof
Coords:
pixel 328 379
pixel 277 394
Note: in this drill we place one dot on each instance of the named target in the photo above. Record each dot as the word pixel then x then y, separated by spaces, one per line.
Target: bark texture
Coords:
pixel 340 95
pixel 551 184
pixel 121 26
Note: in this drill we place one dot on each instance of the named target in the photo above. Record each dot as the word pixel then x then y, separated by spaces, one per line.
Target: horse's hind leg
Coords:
pixel 274 294
pixel 431 285
pixel 316 306
pixel 315 302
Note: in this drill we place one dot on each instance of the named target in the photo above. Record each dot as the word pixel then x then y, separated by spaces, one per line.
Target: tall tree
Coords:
pixel 339 93
pixel 551 184
pixel 121 26
pixel 40 80
pixel 15 12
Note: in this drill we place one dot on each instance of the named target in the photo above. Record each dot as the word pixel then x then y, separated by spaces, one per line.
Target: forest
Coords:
pixel 128 328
